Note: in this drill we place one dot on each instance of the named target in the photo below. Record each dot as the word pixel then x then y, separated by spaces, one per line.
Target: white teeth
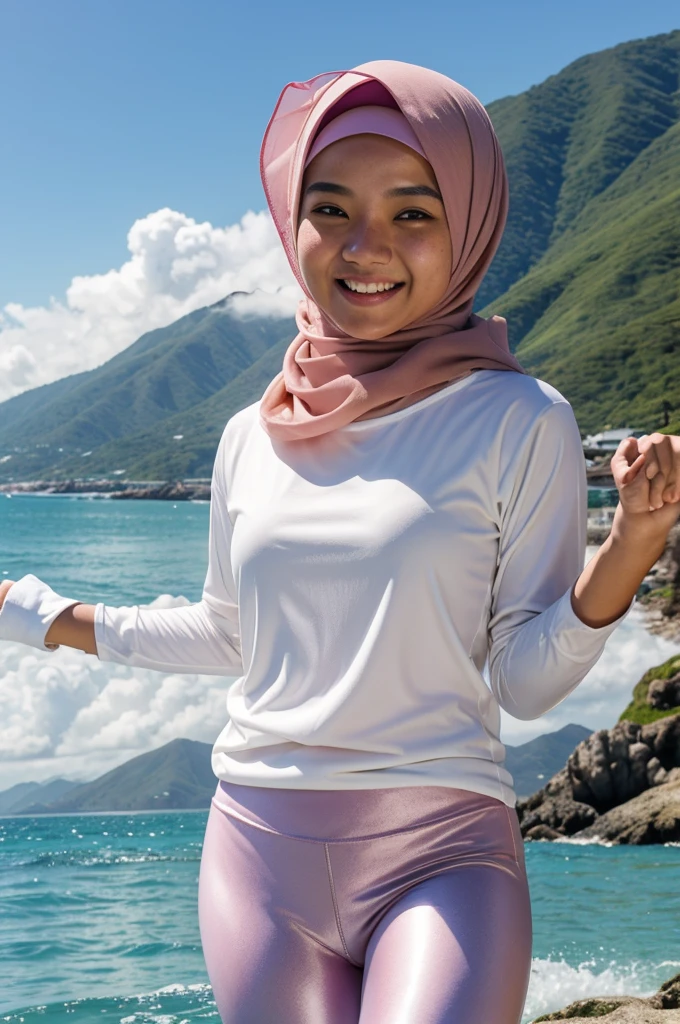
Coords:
pixel 369 289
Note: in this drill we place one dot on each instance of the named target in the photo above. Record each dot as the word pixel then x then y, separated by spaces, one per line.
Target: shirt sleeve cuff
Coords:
pixel 576 638
pixel 29 609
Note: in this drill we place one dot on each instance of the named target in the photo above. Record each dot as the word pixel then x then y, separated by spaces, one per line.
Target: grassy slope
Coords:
pixel 599 315
pixel 166 372
pixel 639 710
pixel 155 455
pixel 567 139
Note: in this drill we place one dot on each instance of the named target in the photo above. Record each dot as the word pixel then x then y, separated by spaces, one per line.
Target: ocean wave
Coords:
pixel 553 985
pixel 102 858
pixel 172 1004
pixel 576 841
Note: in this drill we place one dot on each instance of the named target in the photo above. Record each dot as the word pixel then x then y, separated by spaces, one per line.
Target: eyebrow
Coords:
pixel 393 193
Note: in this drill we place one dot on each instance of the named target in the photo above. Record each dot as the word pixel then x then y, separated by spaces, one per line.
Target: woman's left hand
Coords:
pixel 646 472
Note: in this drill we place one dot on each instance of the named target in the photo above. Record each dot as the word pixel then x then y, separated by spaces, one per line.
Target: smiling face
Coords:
pixel 371 215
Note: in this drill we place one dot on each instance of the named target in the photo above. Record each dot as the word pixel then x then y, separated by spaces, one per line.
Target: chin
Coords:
pixel 362 332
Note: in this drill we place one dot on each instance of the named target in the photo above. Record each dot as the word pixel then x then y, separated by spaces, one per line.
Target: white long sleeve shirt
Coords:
pixel 358 582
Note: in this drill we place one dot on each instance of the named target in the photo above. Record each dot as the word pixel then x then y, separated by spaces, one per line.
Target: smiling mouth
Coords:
pixel 379 291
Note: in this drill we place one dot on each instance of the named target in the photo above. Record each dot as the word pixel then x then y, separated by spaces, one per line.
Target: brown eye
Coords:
pixel 334 210
pixel 419 214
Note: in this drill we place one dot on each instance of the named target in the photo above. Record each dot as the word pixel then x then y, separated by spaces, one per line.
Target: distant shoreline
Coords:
pixel 148 490
pixel 198 490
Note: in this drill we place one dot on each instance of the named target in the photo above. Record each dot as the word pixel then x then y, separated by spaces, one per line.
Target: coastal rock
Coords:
pixel 668 996
pixel 661 1008
pixel 166 492
pixel 664 694
pixel 610 767
pixel 652 817
pixel 616 1011
pixel 619 784
pixel 553 809
pixel 663 738
pixel 179 491
pixel 537 832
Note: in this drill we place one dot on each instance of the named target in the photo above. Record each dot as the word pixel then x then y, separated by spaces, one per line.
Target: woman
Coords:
pixel 404 502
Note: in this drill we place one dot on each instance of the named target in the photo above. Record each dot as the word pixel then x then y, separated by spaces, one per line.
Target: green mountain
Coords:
pixel 598 314
pixel 166 372
pixel 179 775
pixel 586 274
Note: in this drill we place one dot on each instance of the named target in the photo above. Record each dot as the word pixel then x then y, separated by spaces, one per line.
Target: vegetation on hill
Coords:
pixel 166 372
pixel 639 710
pixel 599 314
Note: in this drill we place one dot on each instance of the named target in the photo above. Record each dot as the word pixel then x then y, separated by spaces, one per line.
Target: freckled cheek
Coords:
pixel 430 264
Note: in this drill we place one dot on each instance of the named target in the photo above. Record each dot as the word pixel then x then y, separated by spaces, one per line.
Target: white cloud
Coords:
pixel 68 714
pixel 175 267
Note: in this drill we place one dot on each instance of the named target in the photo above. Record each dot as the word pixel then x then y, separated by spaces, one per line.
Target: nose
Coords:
pixel 366 243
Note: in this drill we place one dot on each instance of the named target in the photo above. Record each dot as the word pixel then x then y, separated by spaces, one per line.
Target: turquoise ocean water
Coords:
pixel 98 912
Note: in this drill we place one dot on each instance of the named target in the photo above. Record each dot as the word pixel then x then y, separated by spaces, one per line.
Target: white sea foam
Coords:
pixel 554 983
pixel 576 841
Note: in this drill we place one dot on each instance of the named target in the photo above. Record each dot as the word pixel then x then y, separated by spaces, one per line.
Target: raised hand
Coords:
pixel 646 472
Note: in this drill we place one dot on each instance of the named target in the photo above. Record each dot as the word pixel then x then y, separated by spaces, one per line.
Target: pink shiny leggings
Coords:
pixel 379 906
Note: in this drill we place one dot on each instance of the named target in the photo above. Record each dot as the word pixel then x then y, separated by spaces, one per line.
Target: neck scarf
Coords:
pixel 328 378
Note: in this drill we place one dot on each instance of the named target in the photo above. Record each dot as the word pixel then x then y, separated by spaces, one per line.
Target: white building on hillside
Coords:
pixel 609 440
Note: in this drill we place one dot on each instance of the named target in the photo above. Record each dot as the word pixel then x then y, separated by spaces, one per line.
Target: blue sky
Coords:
pixel 111 110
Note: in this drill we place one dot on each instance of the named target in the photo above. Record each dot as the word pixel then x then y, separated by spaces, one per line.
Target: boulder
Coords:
pixel 652 817
pixel 664 694
pixel 610 766
pixel 663 739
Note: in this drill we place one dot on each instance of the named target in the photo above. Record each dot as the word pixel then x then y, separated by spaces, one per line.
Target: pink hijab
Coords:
pixel 328 378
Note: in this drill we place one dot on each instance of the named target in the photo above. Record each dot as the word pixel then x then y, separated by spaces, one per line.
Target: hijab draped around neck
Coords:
pixel 330 379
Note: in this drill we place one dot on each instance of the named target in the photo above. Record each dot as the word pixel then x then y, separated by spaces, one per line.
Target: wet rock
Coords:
pixel 613 1011
pixel 538 832
pixel 668 996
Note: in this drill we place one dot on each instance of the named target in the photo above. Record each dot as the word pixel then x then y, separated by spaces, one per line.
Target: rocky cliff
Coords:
pixel 621 784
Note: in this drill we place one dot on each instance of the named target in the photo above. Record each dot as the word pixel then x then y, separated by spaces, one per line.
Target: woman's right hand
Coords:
pixel 4 587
